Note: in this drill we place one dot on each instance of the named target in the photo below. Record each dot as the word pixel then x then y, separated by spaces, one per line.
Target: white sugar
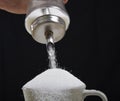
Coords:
pixel 54 79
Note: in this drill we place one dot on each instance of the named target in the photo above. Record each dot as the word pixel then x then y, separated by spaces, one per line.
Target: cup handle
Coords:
pixel 94 93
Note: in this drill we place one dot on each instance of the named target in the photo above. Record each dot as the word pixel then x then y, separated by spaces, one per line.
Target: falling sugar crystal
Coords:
pixel 53 85
pixel 51 55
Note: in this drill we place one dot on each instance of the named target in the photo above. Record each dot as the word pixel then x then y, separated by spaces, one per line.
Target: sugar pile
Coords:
pixel 52 85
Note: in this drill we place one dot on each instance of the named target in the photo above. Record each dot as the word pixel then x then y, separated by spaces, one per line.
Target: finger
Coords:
pixel 65 1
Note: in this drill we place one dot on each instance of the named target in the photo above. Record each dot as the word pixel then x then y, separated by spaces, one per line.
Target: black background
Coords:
pixel 90 50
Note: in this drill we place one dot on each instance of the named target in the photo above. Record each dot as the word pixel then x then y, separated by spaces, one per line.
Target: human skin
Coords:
pixel 16 6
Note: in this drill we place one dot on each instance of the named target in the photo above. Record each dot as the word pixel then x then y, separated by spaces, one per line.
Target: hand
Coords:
pixel 16 6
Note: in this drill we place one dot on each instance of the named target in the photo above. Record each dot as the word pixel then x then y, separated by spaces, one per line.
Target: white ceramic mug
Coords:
pixel 58 85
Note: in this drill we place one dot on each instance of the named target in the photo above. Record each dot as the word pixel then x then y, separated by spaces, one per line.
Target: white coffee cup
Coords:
pixel 58 85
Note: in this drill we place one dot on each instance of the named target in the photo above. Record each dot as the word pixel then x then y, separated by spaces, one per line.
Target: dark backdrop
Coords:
pixel 90 50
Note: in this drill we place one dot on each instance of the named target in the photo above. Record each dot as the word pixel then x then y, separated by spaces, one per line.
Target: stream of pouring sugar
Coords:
pixel 51 53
